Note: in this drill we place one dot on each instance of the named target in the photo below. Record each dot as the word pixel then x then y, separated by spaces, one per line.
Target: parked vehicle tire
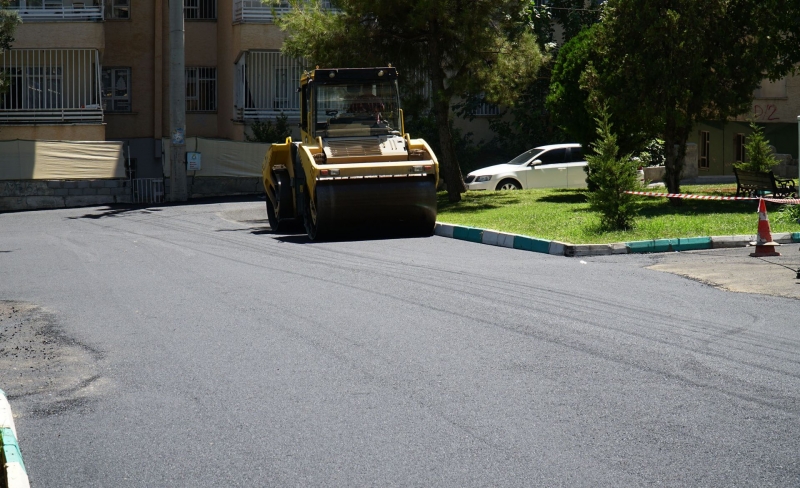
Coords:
pixel 508 184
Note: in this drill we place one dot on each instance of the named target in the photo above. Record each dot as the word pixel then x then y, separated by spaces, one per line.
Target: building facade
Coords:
pixel 775 107
pixel 99 70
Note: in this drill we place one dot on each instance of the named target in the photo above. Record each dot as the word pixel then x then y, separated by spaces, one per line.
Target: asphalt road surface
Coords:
pixel 190 346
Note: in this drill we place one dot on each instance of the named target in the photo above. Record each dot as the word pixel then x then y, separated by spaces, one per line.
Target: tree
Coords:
pixel 759 155
pixel 665 64
pixel 462 46
pixel 532 122
pixel 611 176
pixel 269 132
pixel 9 19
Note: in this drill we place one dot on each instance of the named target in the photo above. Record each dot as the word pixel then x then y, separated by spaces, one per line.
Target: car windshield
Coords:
pixel 526 156
pixel 357 108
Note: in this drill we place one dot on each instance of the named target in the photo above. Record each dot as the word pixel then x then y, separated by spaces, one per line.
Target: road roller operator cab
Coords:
pixel 355 166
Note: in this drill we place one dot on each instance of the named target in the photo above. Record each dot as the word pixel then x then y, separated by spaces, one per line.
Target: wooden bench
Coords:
pixel 757 183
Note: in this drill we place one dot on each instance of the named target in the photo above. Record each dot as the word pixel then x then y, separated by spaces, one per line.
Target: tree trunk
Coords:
pixel 441 112
pixel 674 136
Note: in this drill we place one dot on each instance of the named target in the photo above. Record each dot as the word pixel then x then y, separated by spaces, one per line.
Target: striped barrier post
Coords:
pixel 13 474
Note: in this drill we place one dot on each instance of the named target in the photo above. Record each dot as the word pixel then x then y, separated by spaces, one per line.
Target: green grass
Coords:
pixel 564 215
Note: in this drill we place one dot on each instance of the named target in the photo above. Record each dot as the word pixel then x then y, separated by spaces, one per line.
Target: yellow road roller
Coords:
pixel 355 167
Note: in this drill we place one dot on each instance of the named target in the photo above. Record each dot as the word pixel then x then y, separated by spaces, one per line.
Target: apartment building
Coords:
pixel 775 107
pixel 94 70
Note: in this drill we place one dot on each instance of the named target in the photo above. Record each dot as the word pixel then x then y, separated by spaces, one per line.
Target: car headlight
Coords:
pixel 481 179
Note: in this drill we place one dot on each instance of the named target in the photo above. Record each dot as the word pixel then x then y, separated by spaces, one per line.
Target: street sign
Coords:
pixel 192 161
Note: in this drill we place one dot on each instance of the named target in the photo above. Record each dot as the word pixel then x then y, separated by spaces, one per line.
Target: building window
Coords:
pixel 118 9
pixel 201 89
pixel 13 97
pixel 44 87
pixel 117 89
pixel 704 149
pixel 200 9
pixel 738 147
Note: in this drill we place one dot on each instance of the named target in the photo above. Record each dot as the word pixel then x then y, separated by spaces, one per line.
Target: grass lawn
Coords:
pixel 564 215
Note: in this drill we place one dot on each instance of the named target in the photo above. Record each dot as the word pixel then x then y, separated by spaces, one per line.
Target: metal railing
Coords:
pixel 51 85
pixel 47 11
pixel 147 190
pixel 257 12
pixel 266 85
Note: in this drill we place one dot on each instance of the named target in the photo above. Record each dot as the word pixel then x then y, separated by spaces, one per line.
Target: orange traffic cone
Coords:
pixel 764 244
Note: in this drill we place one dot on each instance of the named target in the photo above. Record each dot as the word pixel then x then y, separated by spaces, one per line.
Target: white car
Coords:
pixel 554 166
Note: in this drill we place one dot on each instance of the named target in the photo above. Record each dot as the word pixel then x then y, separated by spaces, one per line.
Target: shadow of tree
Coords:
pixel 476 201
pixel 114 212
pixel 566 196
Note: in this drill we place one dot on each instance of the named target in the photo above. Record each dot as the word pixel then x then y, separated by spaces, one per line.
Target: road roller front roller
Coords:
pixel 355 167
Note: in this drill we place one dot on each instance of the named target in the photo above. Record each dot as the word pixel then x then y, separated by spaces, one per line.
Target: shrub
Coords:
pixel 609 176
pixel 653 153
pixel 788 214
pixel 759 154
pixel 267 132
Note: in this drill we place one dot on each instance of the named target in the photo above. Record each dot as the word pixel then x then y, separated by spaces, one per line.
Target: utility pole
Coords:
pixel 177 103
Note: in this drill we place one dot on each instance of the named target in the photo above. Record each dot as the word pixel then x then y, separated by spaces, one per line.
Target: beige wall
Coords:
pixel 130 44
pixel 82 132
pixel 781 109
pixel 201 43
pixel 60 35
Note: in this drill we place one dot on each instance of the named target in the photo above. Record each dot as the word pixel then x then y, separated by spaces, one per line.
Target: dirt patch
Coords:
pixel 43 371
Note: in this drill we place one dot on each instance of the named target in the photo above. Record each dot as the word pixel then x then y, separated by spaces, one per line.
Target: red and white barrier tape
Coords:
pixel 791 201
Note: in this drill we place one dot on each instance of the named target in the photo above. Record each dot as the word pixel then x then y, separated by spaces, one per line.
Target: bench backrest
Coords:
pixel 755 178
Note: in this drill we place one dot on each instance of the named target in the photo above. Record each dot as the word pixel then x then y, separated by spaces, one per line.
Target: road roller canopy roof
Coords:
pixel 354 102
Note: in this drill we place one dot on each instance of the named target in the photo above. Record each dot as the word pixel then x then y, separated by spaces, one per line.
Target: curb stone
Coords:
pixel 14 473
pixel 557 248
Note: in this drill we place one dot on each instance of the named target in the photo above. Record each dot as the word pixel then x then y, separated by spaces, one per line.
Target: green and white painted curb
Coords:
pixel 556 248
pixel 13 474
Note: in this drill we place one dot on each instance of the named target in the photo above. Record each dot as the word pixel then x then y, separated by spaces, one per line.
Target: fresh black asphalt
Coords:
pixel 203 350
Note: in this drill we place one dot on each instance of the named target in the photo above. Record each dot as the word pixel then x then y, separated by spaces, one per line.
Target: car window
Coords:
pixel 553 156
pixel 525 157
pixel 575 155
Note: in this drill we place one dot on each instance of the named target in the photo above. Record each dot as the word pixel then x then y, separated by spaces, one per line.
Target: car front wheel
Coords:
pixel 508 185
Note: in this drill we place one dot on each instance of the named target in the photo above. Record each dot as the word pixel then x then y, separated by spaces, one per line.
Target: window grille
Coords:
pixel 52 85
pixel 201 89
pixel 116 89
pixel 266 85
pixel 200 9
pixel 118 9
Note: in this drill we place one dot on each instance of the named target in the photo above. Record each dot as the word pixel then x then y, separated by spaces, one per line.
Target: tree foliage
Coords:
pixel 269 132
pixel 610 176
pixel 9 19
pixel 662 65
pixel 532 122
pixel 463 47
pixel 759 155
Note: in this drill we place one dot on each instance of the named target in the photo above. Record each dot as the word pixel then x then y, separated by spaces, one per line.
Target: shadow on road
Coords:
pixel 122 209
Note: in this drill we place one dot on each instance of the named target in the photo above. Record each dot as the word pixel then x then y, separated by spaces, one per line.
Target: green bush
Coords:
pixel 269 133
pixel 609 176
pixel 788 214
pixel 759 154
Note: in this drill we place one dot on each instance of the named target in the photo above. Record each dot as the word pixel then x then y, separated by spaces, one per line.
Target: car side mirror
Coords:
pixel 536 162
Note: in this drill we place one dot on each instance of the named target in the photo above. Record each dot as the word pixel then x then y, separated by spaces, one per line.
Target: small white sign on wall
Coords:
pixel 192 161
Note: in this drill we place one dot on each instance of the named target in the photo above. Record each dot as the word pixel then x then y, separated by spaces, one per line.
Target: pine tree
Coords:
pixel 611 176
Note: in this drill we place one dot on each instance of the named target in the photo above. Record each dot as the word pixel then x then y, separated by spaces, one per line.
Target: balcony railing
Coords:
pixel 54 86
pixel 57 10
pixel 257 12
pixel 266 86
